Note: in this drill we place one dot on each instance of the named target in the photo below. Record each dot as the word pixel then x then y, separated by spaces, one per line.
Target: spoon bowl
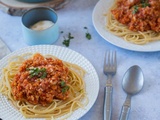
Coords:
pixel 132 84
pixel 133 80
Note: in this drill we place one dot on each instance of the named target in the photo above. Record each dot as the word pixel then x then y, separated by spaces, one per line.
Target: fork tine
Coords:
pixel 114 60
pixel 106 59
pixel 104 65
pixel 109 59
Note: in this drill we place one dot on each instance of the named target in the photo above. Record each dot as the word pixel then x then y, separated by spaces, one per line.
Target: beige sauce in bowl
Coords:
pixel 42 25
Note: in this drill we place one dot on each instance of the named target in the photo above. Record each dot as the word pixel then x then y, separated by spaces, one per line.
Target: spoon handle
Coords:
pixel 107 103
pixel 124 112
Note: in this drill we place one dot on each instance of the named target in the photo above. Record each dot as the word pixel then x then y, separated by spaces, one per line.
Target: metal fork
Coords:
pixel 109 69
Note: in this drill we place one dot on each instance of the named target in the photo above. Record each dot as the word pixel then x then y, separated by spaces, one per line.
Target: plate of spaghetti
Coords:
pixel 129 24
pixel 46 82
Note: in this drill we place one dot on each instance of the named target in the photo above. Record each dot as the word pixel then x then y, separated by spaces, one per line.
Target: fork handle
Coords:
pixel 107 103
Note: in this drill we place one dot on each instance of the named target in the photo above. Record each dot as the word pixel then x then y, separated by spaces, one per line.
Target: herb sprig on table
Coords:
pixel 88 35
pixel 66 42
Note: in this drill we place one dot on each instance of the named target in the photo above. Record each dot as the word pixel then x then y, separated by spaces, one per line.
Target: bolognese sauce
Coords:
pixel 138 15
pixel 40 80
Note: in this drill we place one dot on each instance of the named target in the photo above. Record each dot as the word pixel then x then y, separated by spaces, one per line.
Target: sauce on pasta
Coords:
pixel 40 80
pixel 138 15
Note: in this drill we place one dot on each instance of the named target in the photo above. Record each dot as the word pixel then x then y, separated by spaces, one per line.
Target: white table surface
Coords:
pixel 73 18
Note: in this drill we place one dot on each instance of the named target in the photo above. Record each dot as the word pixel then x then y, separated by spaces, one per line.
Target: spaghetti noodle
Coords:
pixel 137 21
pixel 43 86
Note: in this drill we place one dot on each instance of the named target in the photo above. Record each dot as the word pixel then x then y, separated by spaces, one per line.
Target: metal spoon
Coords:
pixel 132 83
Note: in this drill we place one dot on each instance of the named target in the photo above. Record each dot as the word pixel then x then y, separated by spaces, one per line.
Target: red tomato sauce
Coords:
pixel 40 80
pixel 138 15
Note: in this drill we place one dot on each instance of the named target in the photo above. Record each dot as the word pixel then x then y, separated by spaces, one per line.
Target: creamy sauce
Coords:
pixel 42 25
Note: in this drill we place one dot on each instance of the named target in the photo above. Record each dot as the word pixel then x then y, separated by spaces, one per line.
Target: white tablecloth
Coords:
pixel 73 18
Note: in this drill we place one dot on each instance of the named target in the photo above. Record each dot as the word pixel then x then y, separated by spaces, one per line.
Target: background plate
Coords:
pixel 33 1
pixel 98 19
pixel 18 8
pixel 8 112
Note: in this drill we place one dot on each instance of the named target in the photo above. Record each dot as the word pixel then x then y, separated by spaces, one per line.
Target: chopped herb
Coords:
pixel 61 31
pixel 88 35
pixel 66 42
pixel 135 9
pixel 65 89
pixel 69 36
pixel 38 72
pixel 62 83
pixel 144 3
pixel 44 75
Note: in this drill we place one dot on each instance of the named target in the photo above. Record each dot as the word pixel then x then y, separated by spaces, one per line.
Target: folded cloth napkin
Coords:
pixel 4 50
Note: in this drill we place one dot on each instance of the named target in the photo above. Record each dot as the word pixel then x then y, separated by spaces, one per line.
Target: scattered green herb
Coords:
pixel 135 9
pixel 38 72
pixel 66 42
pixel 144 3
pixel 88 35
pixel 64 87
pixel 62 83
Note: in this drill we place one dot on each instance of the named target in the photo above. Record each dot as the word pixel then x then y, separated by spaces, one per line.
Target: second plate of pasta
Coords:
pixel 99 22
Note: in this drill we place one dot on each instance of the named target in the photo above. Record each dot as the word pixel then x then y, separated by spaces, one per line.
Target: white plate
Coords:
pixel 98 19
pixel 7 112
pixel 24 5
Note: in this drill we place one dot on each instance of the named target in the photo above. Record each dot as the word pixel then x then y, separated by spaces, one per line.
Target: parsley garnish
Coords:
pixel 62 83
pixel 64 87
pixel 38 72
pixel 66 42
pixel 88 35
pixel 135 9
pixel 144 3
